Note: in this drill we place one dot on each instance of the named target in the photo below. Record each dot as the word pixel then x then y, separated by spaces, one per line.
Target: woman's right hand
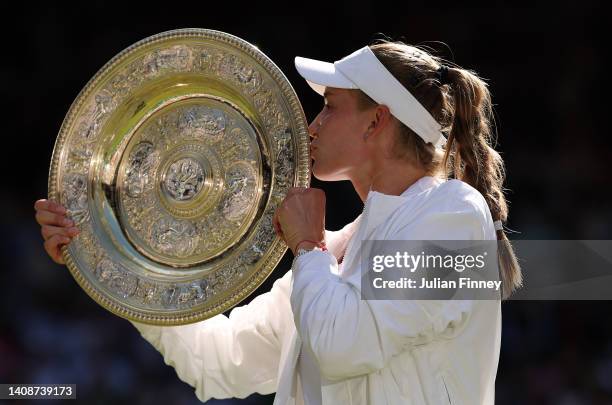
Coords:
pixel 57 230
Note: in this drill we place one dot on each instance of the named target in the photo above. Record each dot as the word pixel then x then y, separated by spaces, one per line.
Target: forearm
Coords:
pixel 231 356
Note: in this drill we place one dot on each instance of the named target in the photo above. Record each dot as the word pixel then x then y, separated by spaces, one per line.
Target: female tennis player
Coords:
pixel 412 134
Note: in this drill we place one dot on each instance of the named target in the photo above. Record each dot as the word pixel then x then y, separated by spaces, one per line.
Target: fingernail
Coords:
pixel 68 222
pixel 73 230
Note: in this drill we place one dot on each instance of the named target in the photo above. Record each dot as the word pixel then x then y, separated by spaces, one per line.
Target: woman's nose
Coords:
pixel 314 126
pixel 312 129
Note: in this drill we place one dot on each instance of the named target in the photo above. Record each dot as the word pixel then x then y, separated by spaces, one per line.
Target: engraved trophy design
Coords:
pixel 172 161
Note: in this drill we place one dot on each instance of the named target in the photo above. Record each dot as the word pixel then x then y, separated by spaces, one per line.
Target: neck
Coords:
pixel 394 179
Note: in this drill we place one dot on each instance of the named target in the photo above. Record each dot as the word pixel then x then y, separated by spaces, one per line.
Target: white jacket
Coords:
pixel 368 352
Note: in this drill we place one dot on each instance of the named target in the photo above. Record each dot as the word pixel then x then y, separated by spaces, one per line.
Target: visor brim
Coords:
pixel 320 75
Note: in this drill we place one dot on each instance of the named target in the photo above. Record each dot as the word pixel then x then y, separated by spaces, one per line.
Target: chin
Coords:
pixel 317 173
pixel 322 175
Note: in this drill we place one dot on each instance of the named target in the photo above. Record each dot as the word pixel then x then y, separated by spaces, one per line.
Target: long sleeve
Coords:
pixel 350 336
pixel 231 356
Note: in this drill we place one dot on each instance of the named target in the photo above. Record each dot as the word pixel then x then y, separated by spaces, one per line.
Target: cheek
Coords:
pixel 340 128
pixel 341 135
pixel 343 149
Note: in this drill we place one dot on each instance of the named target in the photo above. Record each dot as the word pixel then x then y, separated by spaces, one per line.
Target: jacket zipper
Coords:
pixel 447 393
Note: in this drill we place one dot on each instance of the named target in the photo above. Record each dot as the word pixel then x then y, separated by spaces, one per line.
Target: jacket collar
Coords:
pixel 379 206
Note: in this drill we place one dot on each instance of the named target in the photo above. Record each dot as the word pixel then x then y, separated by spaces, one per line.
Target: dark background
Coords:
pixel 546 71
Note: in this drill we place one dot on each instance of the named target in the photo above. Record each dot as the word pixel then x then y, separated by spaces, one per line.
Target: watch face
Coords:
pixel 172 161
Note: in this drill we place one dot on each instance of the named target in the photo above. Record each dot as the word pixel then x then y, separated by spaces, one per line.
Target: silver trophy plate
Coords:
pixel 172 161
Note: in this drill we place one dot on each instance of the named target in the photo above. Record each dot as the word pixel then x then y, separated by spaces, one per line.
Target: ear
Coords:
pixel 379 119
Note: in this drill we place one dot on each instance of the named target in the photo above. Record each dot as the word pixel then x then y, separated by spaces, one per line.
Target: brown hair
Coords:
pixel 462 106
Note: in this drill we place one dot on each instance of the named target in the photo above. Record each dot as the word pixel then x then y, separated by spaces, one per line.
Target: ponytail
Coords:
pixel 461 103
pixel 471 158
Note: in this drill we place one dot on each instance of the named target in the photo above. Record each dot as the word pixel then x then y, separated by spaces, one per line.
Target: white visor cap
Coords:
pixel 362 70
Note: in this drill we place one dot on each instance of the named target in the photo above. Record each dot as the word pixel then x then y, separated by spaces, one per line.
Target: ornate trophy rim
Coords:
pixel 301 178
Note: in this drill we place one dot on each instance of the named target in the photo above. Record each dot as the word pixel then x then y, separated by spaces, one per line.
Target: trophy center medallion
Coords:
pixel 184 179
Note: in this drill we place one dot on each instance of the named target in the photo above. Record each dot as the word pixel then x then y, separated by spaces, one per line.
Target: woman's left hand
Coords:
pixel 301 216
